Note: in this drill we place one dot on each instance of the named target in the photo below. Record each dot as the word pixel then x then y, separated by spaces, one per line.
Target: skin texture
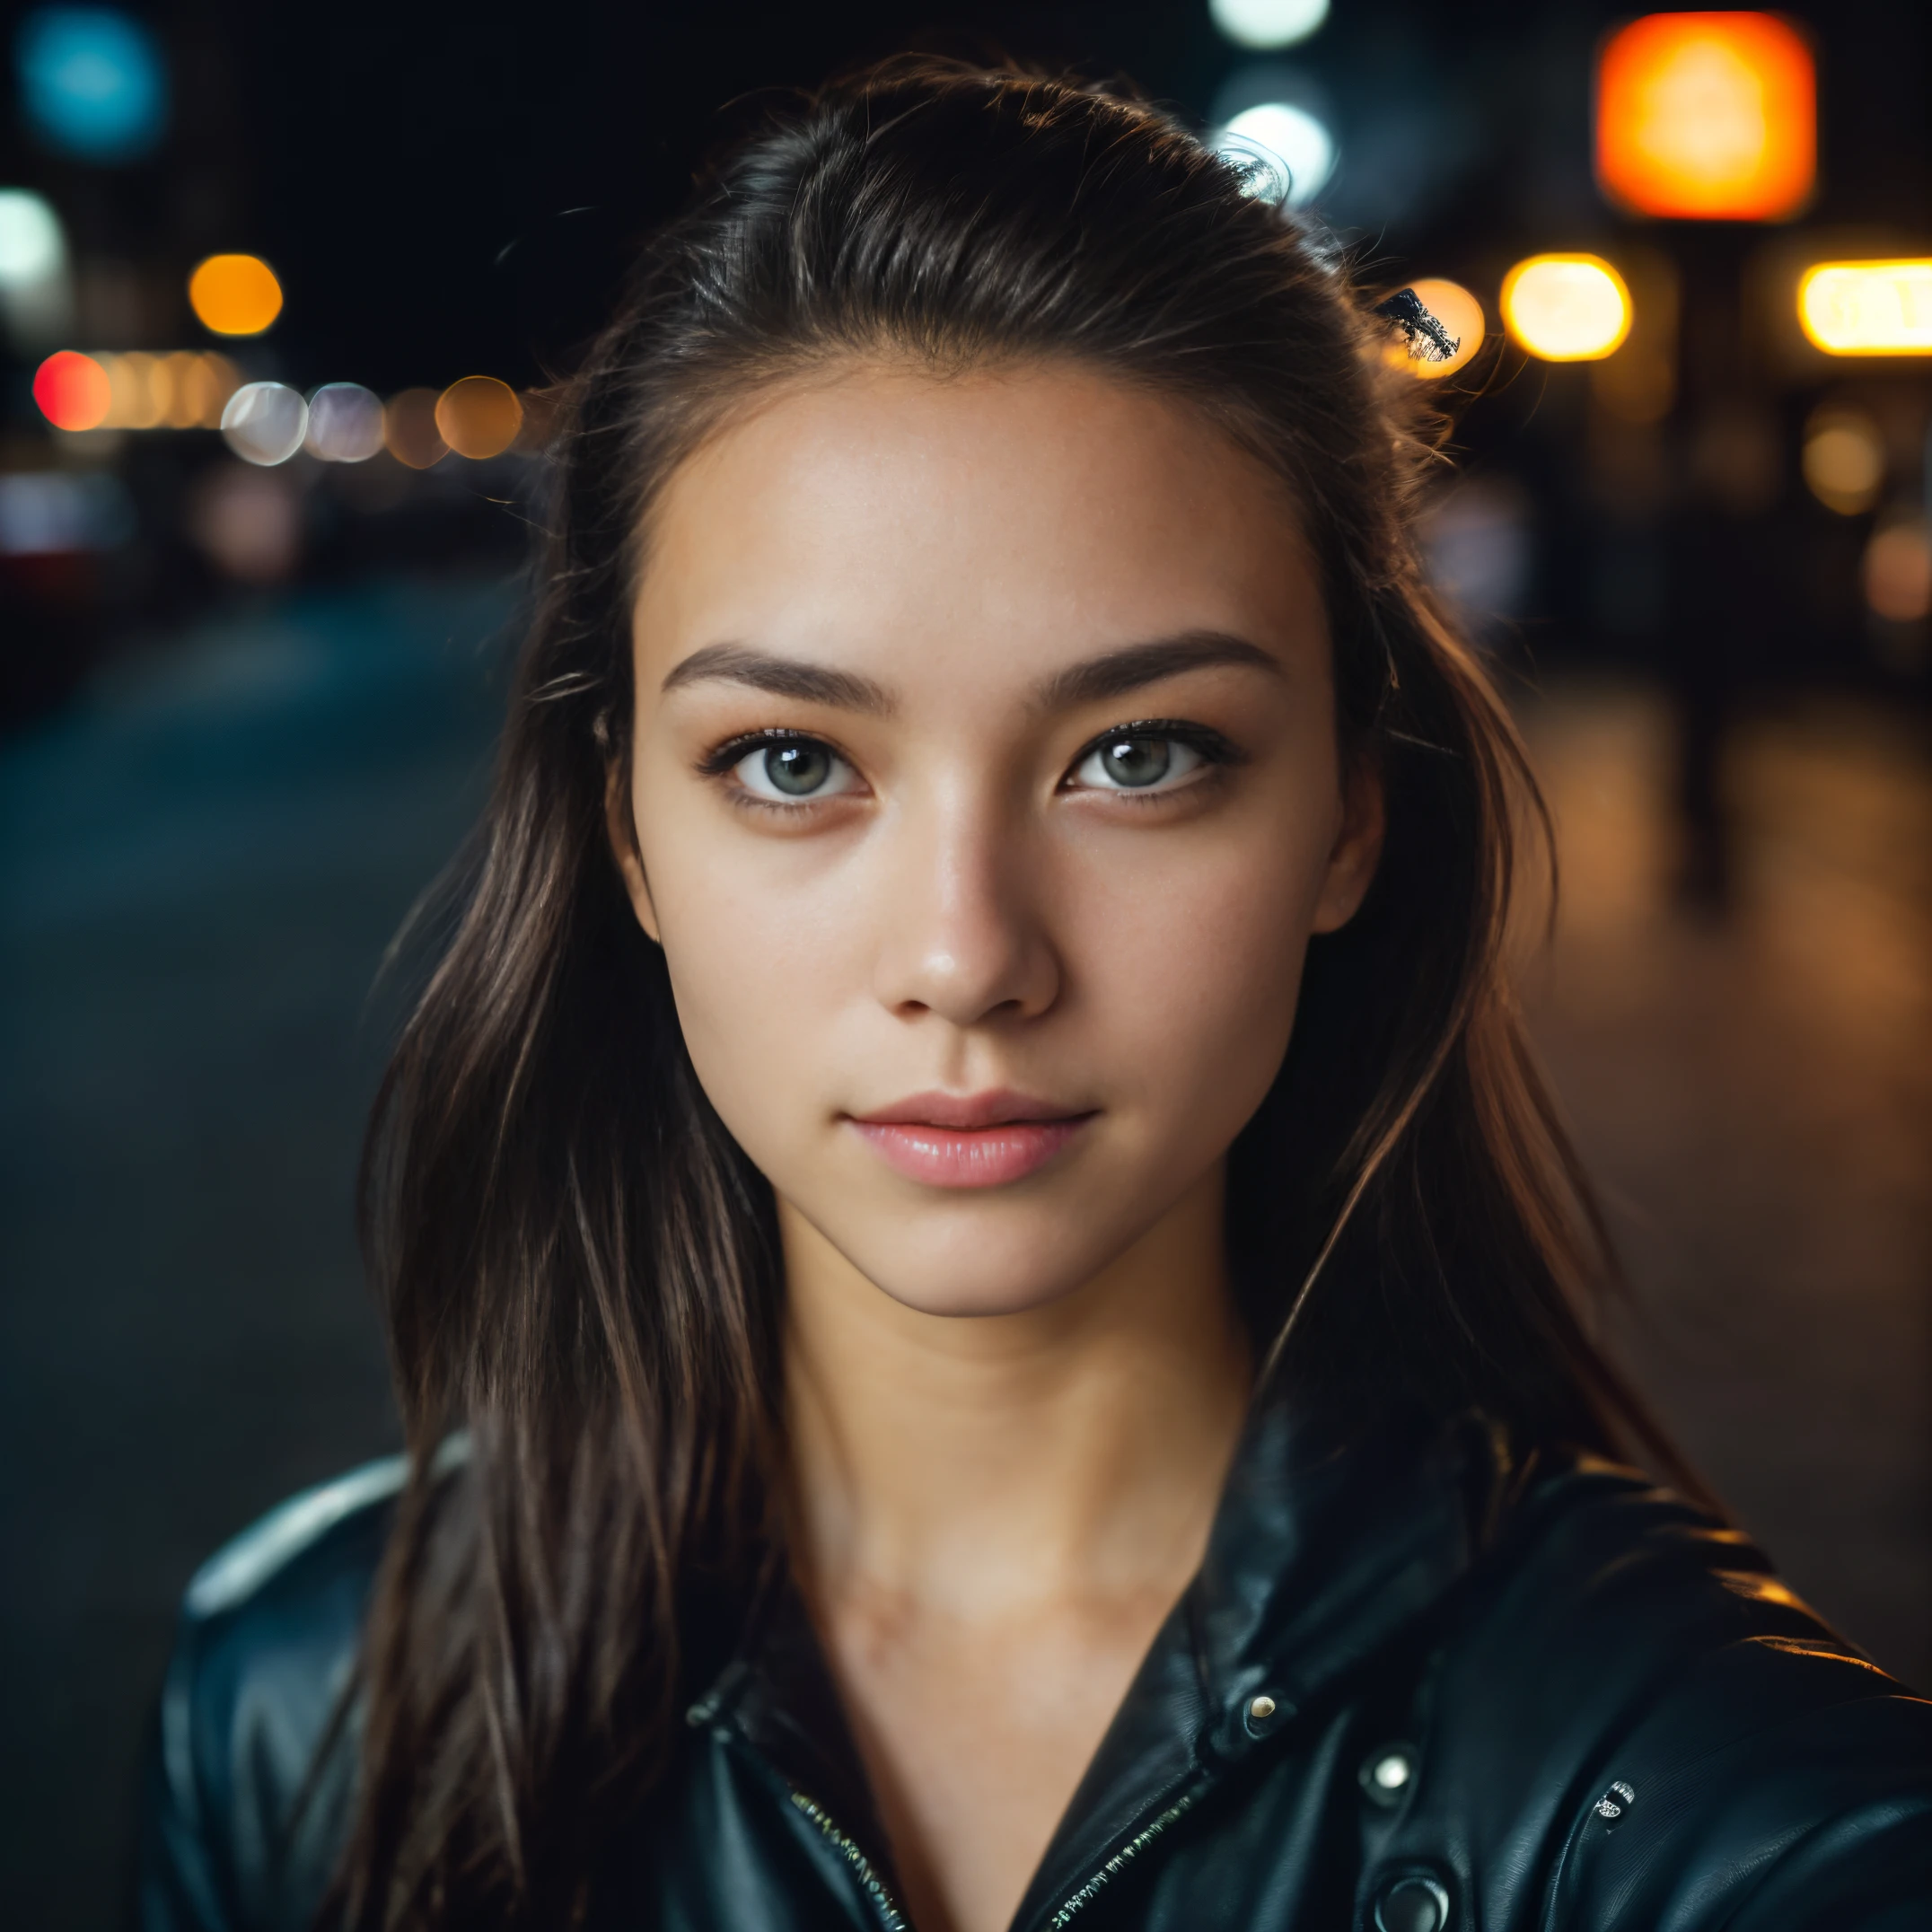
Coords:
pixel 1010 1407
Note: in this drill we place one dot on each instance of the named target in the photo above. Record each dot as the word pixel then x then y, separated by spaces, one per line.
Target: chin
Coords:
pixel 982 1271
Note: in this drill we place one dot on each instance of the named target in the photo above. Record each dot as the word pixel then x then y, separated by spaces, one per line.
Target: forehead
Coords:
pixel 998 519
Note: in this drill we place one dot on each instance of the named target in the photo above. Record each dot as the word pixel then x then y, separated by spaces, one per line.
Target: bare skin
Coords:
pixel 985 959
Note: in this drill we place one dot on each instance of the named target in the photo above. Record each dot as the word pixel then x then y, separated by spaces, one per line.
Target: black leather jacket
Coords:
pixel 1415 1686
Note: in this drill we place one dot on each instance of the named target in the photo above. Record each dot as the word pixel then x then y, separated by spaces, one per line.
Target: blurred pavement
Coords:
pixel 200 866
pixel 1754 1096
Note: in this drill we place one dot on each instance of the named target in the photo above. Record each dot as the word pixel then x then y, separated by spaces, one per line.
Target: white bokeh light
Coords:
pixel 31 246
pixel 1263 23
pixel 1289 136
pixel 264 422
pixel 36 290
pixel 345 422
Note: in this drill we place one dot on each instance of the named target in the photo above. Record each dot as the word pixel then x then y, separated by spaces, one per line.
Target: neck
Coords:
pixel 990 1464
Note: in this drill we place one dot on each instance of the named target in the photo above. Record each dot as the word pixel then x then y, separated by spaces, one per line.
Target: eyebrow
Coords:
pixel 1115 673
pixel 783 677
pixel 1111 674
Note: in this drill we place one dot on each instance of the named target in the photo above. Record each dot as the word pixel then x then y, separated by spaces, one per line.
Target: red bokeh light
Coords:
pixel 71 390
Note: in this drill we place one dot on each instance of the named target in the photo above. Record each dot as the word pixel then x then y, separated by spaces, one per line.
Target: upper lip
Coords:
pixel 997 1107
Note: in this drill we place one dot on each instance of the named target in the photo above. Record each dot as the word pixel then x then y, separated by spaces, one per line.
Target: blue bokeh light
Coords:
pixel 91 80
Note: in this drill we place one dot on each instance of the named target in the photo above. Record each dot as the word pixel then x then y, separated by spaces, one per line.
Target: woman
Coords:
pixel 989 1307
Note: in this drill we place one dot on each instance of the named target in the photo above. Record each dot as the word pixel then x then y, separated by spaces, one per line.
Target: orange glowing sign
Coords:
pixel 1707 117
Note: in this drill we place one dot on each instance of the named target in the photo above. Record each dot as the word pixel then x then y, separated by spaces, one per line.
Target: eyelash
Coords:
pixel 1212 747
pixel 720 759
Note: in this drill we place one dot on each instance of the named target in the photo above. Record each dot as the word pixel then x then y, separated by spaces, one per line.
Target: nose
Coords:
pixel 963 932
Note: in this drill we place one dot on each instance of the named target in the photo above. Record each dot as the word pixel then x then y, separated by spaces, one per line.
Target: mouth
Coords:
pixel 970 1140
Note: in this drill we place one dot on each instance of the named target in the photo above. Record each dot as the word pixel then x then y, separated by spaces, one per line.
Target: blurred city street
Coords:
pixel 203 863
pixel 206 859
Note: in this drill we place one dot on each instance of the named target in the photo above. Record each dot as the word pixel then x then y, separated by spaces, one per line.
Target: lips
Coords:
pixel 968 1140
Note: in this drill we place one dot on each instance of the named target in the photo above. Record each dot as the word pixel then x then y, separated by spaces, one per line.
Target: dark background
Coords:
pixel 218 798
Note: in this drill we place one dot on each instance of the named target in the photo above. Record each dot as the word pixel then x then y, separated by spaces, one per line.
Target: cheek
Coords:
pixel 762 952
pixel 1191 967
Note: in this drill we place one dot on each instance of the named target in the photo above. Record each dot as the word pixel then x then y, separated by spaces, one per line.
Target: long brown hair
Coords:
pixel 576 1260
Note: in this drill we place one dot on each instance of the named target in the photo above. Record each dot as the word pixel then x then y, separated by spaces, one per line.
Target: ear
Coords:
pixel 620 827
pixel 1357 849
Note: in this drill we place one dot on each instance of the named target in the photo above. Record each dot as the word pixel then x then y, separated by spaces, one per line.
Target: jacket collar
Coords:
pixel 1327 1544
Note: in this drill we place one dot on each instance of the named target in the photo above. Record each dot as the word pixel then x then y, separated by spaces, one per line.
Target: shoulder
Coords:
pixel 1634 1709
pixel 243 1806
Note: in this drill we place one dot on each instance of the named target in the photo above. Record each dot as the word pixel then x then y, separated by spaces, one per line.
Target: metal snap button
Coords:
pixel 1413 1904
pixel 1386 1774
pixel 1260 1715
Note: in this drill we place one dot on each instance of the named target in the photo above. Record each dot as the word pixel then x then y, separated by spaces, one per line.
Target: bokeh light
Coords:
pixel 36 288
pixel 182 391
pixel 478 416
pixel 51 511
pixel 235 295
pixel 1844 461
pixel 198 388
pixel 247 522
pixel 1708 117
pixel 71 390
pixel 1262 23
pixel 1897 572
pixel 140 388
pixel 264 423
pixel 345 422
pixel 1460 315
pixel 1566 308
pixel 1868 308
pixel 1288 137
pixel 92 81
pixel 409 429
pixel 32 247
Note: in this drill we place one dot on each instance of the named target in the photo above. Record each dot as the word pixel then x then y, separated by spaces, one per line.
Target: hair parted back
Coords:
pixel 577 1264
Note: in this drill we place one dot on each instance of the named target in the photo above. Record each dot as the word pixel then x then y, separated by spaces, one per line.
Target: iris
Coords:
pixel 797 769
pixel 1137 761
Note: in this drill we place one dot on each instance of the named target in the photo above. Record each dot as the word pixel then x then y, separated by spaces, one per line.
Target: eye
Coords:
pixel 793 771
pixel 1137 761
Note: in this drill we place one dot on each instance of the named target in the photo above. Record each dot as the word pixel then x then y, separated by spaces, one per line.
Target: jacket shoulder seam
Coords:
pixel 243 1565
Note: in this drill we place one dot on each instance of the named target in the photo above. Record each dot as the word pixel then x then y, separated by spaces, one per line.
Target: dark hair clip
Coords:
pixel 1426 337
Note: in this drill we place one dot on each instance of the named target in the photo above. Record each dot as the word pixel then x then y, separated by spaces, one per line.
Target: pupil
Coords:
pixel 1138 760
pixel 797 768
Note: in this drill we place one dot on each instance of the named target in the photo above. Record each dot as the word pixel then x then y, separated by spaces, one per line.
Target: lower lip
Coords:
pixel 969 1157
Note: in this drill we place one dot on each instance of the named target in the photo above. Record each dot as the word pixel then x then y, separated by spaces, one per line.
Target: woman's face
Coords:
pixel 987 793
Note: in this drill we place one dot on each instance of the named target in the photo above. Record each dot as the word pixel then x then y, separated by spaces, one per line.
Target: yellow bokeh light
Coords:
pixel 235 295
pixel 1868 308
pixel 1460 315
pixel 1566 308
pixel 184 389
pixel 139 387
pixel 1844 461
pixel 181 392
pixel 478 416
